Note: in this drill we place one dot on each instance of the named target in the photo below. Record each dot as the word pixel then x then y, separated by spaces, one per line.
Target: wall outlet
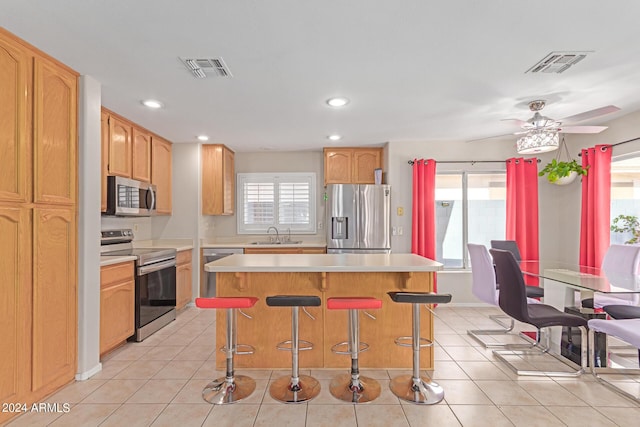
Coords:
pixel 394 231
pixel 320 225
pixel 399 230
pixel 400 211
pixel 135 228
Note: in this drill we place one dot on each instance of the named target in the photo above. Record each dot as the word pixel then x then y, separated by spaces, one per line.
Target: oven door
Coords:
pixel 155 293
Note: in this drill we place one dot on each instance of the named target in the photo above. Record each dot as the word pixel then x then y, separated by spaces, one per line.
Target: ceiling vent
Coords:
pixel 557 62
pixel 203 67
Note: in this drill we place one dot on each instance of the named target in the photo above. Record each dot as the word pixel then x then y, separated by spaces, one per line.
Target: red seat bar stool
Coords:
pixel 414 388
pixel 295 388
pixel 231 388
pixel 353 387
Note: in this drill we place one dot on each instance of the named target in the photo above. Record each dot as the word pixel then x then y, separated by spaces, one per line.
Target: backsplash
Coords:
pixel 141 226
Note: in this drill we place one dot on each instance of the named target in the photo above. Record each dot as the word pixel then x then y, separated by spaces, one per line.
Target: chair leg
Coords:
pixel 541 350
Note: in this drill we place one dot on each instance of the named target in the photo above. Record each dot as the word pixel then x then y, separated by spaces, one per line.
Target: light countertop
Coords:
pixel 324 263
pixel 178 244
pixel 109 260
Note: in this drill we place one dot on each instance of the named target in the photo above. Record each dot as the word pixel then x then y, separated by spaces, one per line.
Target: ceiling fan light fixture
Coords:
pixel 538 142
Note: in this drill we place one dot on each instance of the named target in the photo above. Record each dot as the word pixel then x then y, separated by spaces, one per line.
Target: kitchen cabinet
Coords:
pixel 288 250
pixel 218 180
pixel 351 165
pixel 184 276
pixel 161 174
pixel 38 223
pixel 141 155
pixel 117 305
pixel 119 147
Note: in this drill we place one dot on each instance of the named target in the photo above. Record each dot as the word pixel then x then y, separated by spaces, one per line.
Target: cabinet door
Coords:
pixel 337 166
pixel 54 133
pixel 55 305
pixel 15 113
pixel 104 160
pixel 117 314
pixel 141 158
pixel 183 285
pixel 314 250
pixel 228 182
pixel 15 300
pixel 119 147
pixel 364 163
pixel 161 174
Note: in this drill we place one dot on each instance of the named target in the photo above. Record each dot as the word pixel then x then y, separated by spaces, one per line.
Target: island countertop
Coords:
pixel 323 263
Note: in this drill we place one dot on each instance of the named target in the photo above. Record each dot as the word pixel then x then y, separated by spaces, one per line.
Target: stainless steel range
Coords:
pixel 155 281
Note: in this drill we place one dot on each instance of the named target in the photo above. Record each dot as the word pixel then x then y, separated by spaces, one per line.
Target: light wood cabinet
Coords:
pixel 117 305
pixel 218 180
pixel 15 113
pixel 15 300
pixel 38 223
pixel 119 147
pixel 184 270
pixel 161 174
pixel 104 158
pixel 289 250
pixel 141 155
pixel 351 165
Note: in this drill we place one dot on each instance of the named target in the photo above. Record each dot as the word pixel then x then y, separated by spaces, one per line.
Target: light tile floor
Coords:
pixel 158 383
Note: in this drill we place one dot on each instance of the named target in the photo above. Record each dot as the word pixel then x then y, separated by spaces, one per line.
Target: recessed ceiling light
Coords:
pixel 152 103
pixel 203 137
pixel 334 137
pixel 337 102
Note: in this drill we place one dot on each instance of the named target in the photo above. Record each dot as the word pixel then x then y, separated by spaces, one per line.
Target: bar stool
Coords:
pixel 353 387
pixel 296 388
pixel 414 388
pixel 231 388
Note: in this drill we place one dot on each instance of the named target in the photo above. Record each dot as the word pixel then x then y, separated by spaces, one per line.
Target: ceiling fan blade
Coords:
pixel 491 137
pixel 592 114
pixel 518 121
pixel 582 129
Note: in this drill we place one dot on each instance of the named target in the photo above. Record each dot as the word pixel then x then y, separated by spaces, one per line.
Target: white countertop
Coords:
pixel 109 260
pixel 178 244
pixel 324 262
pixel 245 242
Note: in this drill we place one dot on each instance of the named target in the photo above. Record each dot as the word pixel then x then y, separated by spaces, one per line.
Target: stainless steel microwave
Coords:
pixel 128 197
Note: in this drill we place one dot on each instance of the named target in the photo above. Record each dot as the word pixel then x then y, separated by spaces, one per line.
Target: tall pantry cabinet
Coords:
pixel 38 222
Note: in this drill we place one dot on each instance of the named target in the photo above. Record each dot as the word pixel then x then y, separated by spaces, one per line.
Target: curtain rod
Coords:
pixel 468 161
pixel 617 143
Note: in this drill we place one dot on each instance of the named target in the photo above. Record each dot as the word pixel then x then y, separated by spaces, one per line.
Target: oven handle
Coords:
pixel 156 267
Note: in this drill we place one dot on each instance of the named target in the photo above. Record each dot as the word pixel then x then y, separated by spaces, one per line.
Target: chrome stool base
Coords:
pixel 282 390
pixel 221 391
pixel 341 388
pixel 419 390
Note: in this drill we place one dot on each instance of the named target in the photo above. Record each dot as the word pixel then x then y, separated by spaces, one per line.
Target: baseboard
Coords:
pixel 82 376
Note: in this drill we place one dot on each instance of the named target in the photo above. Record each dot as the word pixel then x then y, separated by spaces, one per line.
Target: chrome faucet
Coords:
pixel 277 234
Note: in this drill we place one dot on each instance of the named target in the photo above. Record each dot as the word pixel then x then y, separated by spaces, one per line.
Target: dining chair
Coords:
pixel 622 260
pixel 512 246
pixel 513 301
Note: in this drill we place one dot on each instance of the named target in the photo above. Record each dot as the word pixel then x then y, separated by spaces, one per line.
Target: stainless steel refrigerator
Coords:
pixel 358 218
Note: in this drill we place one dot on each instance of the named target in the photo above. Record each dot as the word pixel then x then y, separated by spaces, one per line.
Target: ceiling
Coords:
pixel 414 70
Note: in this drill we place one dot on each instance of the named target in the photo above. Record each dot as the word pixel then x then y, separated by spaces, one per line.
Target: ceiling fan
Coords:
pixel 539 123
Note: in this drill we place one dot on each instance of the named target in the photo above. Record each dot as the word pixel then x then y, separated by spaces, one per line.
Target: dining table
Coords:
pixel 566 284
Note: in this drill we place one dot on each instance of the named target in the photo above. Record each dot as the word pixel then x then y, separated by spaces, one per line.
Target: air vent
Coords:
pixel 557 62
pixel 203 67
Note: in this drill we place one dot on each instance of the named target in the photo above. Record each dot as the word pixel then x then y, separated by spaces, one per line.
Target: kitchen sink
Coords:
pixel 292 242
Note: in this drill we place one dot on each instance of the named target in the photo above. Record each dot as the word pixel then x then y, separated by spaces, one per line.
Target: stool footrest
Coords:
pixel 240 349
pixel 363 346
pixel 408 342
pixel 302 345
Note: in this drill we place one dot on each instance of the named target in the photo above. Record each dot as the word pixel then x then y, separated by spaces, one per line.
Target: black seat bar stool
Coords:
pixel 414 388
pixel 353 387
pixel 296 388
pixel 231 388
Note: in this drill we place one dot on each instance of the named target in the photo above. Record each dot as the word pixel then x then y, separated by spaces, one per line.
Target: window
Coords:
pixel 284 200
pixel 625 194
pixel 470 207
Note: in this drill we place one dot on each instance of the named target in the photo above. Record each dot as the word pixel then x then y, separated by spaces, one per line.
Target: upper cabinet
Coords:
pixel 141 155
pixel 119 147
pixel 351 165
pixel 218 180
pixel 161 174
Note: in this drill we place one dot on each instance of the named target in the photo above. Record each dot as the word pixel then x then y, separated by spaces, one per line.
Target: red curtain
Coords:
pixel 596 202
pixel 522 206
pixel 423 229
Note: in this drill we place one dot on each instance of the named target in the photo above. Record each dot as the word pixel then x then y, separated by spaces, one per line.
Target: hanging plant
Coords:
pixel 627 224
pixel 561 172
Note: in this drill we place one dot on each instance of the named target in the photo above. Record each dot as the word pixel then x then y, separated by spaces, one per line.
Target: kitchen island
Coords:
pixel 324 275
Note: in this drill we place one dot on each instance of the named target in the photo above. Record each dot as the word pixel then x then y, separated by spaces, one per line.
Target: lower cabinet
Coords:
pixel 117 305
pixel 184 275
